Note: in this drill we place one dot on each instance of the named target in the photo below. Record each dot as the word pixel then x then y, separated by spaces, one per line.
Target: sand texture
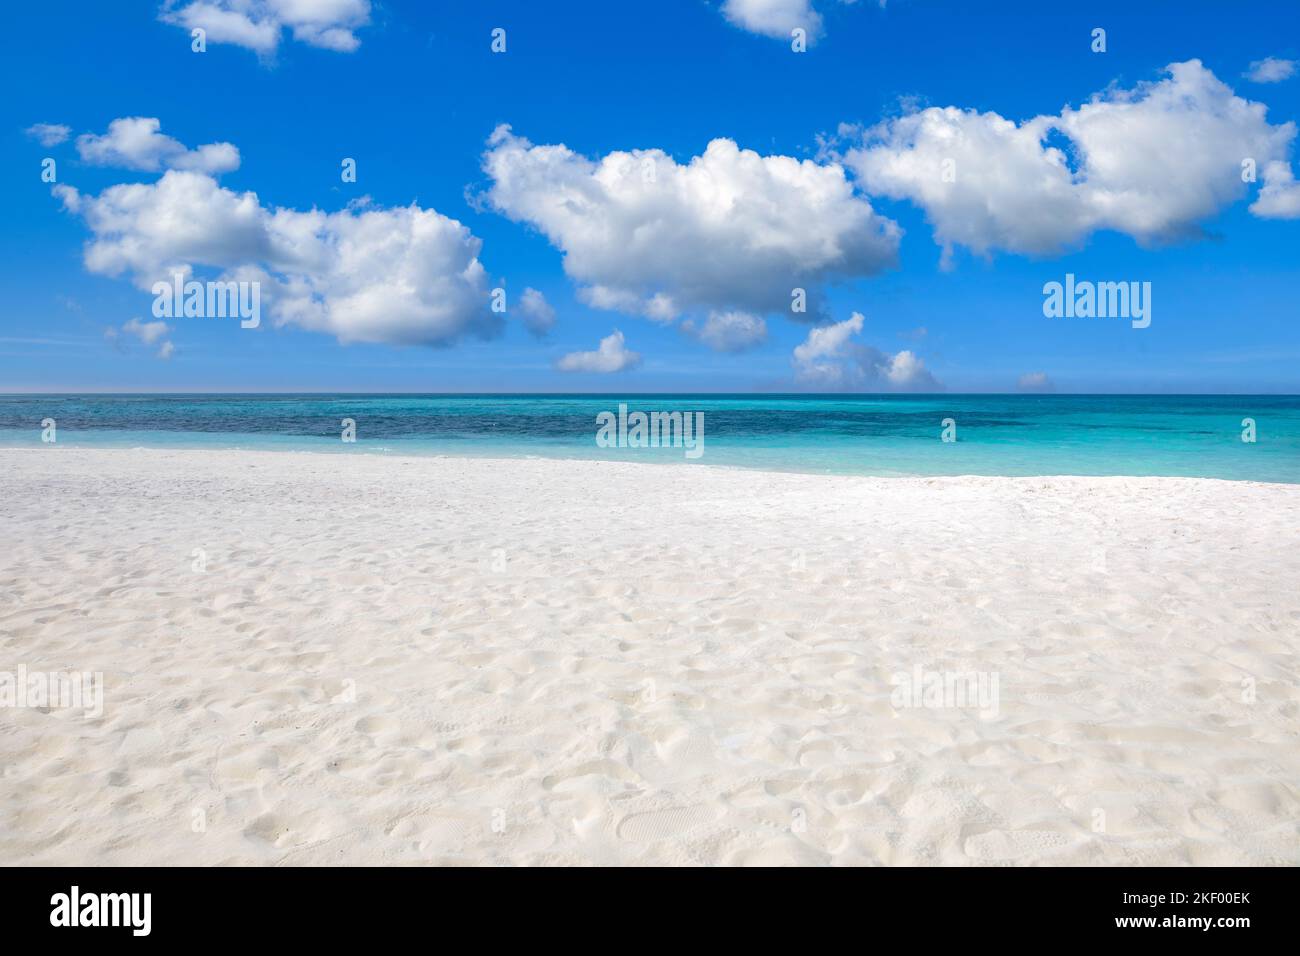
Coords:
pixel 351 658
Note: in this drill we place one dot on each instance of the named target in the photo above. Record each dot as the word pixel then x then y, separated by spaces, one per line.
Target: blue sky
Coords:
pixel 1149 197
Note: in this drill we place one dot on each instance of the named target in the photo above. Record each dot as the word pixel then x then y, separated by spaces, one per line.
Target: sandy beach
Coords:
pixel 352 658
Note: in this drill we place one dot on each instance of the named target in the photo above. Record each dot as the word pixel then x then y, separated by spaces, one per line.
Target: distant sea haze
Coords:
pixel 1248 437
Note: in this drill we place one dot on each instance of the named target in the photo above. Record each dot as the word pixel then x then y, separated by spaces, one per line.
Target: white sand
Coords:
pixel 397 660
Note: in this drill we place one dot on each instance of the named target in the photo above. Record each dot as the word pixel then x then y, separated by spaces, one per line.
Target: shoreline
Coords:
pixel 399 456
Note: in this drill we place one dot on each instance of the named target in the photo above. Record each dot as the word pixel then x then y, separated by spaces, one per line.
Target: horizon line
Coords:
pixel 601 394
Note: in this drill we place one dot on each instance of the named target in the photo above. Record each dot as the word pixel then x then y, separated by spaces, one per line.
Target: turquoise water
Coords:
pixel 868 434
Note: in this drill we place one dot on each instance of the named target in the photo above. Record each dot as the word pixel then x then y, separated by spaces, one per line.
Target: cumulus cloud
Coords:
pixel 135 142
pixel 728 230
pixel 1152 162
pixel 774 18
pixel 729 331
pixel 49 134
pixel 827 342
pixel 830 358
pixel 539 315
pixel 148 333
pixel 1035 382
pixel 611 356
pixel 1270 70
pixel 1280 196
pixel 260 24
pixel 402 275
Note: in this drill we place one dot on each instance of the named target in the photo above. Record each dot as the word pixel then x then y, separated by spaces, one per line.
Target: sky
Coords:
pixel 628 197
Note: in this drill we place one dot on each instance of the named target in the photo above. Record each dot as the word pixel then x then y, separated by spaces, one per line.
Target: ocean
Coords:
pixel 1022 435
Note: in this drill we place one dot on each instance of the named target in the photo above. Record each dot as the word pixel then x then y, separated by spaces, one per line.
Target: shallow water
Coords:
pixel 1198 435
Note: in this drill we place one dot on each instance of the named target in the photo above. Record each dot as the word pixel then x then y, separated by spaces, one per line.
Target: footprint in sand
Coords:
pixel 661 824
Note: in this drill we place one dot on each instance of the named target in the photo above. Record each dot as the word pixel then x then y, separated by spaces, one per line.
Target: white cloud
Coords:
pixel 729 331
pixel 830 359
pixel 1034 382
pixel 1009 192
pixel 774 18
pixel 148 333
pixel 401 275
pixel 1153 163
pixel 539 316
pixel 49 134
pixel 259 24
pixel 134 142
pixel 777 18
pixel 659 307
pixel 1270 70
pixel 1280 196
pixel 730 229
pixel 828 341
pixel 611 356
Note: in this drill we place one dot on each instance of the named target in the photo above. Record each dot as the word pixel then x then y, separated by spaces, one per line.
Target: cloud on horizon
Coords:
pixel 611 356
pixel 829 358
pixel 1035 382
